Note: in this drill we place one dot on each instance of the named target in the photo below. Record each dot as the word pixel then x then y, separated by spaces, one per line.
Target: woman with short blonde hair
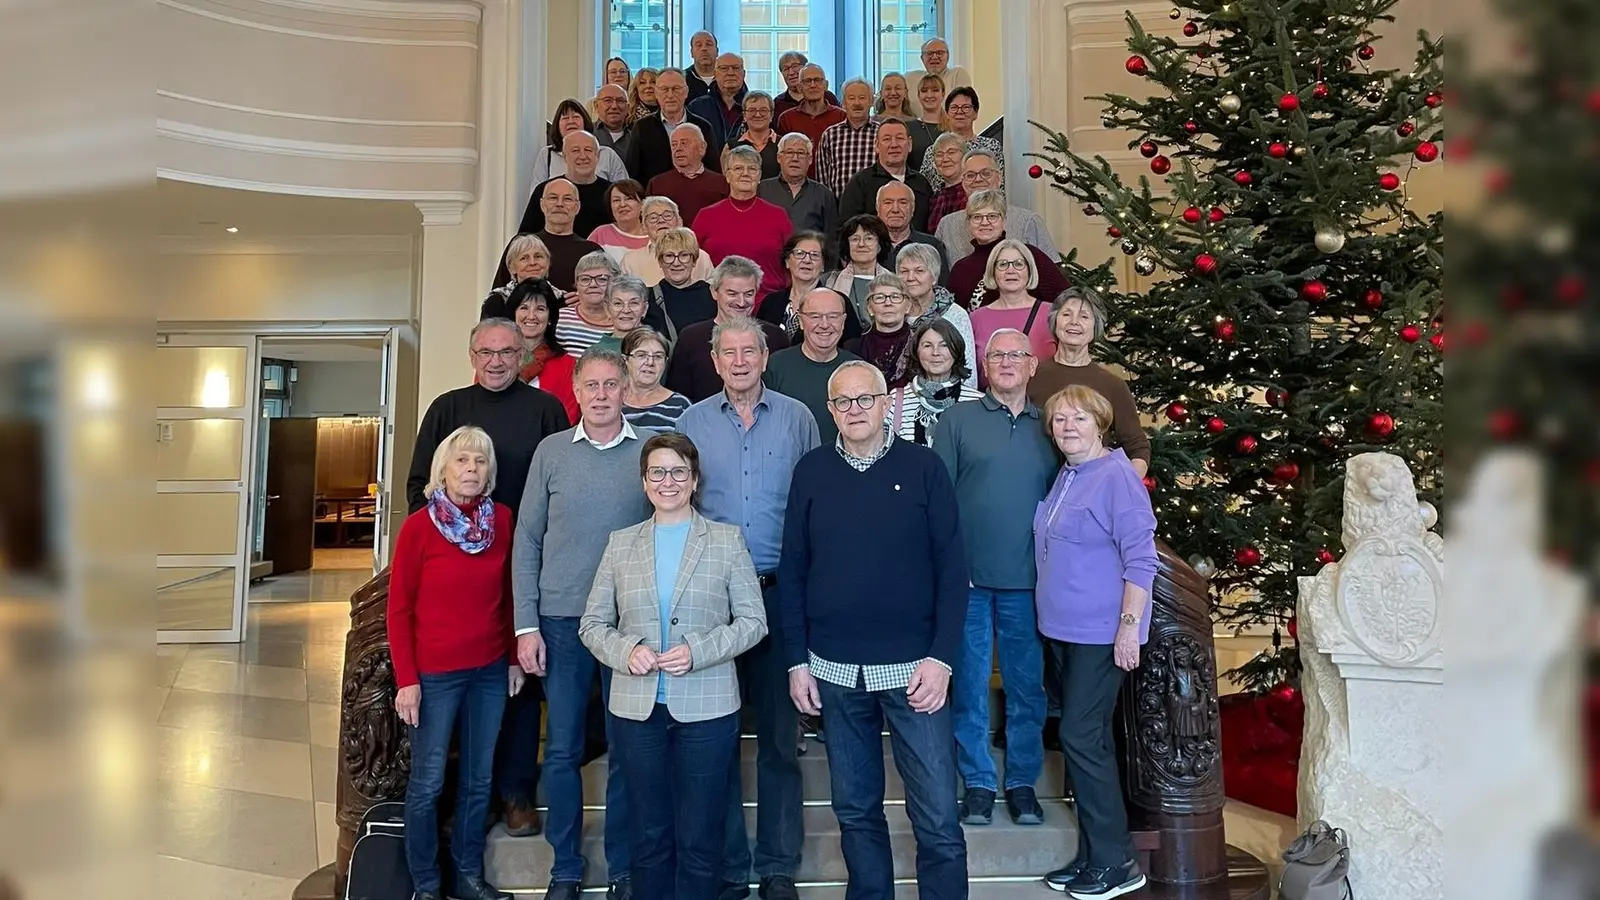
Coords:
pixel 1013 274
pixel 682 293
pixel 660 215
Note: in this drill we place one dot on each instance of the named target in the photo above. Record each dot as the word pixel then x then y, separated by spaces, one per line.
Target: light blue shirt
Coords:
pixel 671 540
pixel 745 473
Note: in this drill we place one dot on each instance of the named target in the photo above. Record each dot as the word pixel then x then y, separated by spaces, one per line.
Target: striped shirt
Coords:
pixel 575 334
pixel 843 151
pixel 905 408
pixel 662 416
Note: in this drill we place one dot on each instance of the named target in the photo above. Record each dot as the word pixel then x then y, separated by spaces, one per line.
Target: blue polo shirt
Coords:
pixel 745 473
pixel 1002 466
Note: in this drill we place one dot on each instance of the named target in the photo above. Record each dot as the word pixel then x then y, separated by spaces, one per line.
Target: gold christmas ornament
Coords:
pixel 1230 103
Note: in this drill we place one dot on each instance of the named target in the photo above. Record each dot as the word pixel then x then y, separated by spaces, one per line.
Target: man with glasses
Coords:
pixel 981 172
pixel 810 206
pixel 790 64
pixel 582 485
pixel 581 150
pixel 872 599
pixel 814 114
pixel 802 371
pixel 723 105
pixel 936 61
pixel 985 222
pixel 650 148
pixel 690 184
pixel 559 200
pixel 1002 463
pixel 612 127
pixel 848 147
pixel 749 440
pixel 693 369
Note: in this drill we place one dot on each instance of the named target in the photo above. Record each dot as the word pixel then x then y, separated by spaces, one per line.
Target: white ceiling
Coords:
pixel 194 210
pixel 330 350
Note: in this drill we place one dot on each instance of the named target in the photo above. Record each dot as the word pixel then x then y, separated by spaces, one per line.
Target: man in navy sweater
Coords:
pixel 870 635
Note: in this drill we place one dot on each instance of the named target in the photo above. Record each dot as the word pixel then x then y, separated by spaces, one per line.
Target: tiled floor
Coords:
pixel 246 761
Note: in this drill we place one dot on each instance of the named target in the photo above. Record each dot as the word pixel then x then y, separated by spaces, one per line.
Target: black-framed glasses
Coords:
pixel 484 354
pixel 863 402
pixel 647 356
pixel 658 474
pixel 593 280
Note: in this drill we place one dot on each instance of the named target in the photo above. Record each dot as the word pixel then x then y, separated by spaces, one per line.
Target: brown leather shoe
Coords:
pixel 522 820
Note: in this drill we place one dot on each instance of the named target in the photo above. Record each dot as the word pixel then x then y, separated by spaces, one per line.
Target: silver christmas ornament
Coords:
pixel 1144 265
pixel 1428 513
pixel 1202 566
pixel 1556 239
pixel 1230 103
pixel 1128 246
pixel 1108 122
pixel 1329 239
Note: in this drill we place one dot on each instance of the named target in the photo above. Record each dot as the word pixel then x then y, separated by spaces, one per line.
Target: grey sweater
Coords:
pixel 576 496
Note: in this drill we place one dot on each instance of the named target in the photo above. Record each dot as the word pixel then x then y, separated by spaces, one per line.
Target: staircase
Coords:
pixel 1004 860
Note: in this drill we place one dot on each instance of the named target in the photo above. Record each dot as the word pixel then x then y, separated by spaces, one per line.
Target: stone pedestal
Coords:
pixel 1372 643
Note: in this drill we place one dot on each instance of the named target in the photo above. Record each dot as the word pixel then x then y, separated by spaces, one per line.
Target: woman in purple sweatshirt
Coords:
pixel 1094 542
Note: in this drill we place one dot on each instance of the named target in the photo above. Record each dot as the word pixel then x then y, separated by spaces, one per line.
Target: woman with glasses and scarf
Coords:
pixel 940 379
pixel 888 345
pixel 918 266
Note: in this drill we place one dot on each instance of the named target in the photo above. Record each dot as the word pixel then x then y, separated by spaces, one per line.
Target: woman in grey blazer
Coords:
pixel 674 601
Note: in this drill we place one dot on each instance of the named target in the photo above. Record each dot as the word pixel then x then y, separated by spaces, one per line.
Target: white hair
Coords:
pixel 690 126
pixel 1005 331
pixel 493 322
pixel 892 184
pixel 794 136
pixel 582 135
pixel 853 365
pixel 738 325
pixel 470 438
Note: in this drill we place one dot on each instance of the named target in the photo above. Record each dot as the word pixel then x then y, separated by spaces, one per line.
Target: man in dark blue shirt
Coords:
pixel 873 594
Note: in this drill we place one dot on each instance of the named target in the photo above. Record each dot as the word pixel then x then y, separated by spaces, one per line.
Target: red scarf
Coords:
pixel 535 364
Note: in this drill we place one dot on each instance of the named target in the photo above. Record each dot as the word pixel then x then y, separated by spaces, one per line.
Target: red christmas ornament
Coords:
pixel 1243 178
pixel 1373 298
pixel 1410 334
pixel 1365 51
pixel 1192 215
pixel 1203 51
pixel 1380 424
pixel 1288 103
pixel 1216 215
pixel 1114 231
pixel 1190 29
pixel 1593 101
pixel 1314 291
pixel 1320 90
pixel 1089 210
pixel 1148 149
pixel 1136 65
pixel 1389 181
pixel 1285 472
pixel 1570 290
pixel 1427 151
pixel 1437 340
pixel 1324 555
pixel 1277 150
pixel 1191 127
pixel 1284 693
pixel 1225 330
pixel 1504 424
pixel 1216 425
pixel 1178 411
pixel 1294 629
pixel 1406 129
pixel 1277 397
pixel 1036 171
pixel 1434 100
pixel 1161 165
pixel 1149 483
pixel 1246 444
pixel 1205 264
pixel 1247 556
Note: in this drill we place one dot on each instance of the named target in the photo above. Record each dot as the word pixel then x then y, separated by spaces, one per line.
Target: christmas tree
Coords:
pixel 1299 320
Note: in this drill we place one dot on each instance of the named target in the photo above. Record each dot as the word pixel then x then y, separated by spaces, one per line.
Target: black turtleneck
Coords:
pixel 517 419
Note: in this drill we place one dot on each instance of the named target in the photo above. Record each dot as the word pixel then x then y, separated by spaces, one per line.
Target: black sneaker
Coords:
pixel 977 807
pixel 733 890
pixel 1052 733
pixel 563 890
pixel 1097 883
pixel 1060 878
pixel 621 889
pixel 779 887
pixel 1024 806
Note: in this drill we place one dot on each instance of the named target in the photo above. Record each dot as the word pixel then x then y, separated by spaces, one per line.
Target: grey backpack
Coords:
pixel 1317 865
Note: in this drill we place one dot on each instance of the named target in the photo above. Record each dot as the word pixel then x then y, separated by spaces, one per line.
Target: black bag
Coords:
pixel 378 869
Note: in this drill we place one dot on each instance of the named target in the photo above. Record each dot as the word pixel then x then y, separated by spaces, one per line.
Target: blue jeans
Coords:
pixel 475 697
pixel 1011 615
pixel 922 744
pixel 677 774
pixel 780 829
pixel 569 674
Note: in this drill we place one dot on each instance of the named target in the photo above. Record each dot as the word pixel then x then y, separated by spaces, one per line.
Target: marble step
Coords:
pixel 1028 889
pixel 997 850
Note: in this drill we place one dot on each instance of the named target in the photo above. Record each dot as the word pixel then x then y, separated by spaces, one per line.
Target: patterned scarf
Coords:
pixel 889 352
pixel 942 300
pixel 471 531
pixel 533 363
pixel 933 398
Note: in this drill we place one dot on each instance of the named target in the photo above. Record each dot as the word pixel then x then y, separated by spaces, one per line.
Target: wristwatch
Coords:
pixel 1130 619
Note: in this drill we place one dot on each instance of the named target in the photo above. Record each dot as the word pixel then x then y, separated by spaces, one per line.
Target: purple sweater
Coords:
pixel 1094 531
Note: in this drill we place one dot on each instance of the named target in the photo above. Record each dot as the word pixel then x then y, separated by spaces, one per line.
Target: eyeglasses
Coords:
pixel 958 108
pixel 647 356
pixel 593 280
pixel 863 402
pixel 809 255
pixel 796 153
pixel 1011 265
pixel 485 354
pixel 984 218
pixel 1007 356
pixel 682 256
pixel 861 238
pixel 660 217
pixel 657 474
pixel 886 299
pixel 978 175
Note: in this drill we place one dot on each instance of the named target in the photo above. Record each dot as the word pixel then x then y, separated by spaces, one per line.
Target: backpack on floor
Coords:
pixel 378 868
pixel 1317 865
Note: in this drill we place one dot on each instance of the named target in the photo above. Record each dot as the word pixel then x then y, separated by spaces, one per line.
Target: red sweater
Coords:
pixel 448 609
pixel 691 194
pixel 752 228
pixel 797 119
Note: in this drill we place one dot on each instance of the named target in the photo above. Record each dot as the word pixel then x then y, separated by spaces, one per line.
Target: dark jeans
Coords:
pixel 924 753
pixel 780 830
pixel 476 698
pixel 677 774
pixel 1009 614
pixel 569 674
pixel 1089 682
pixel 516 763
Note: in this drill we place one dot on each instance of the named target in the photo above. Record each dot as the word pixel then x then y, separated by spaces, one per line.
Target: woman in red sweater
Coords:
pixel 545 363
pixel 450 638
pixel 744 224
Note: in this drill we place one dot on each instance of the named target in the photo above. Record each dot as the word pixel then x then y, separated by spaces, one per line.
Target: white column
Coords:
pixel 1018 77
pixel 448 298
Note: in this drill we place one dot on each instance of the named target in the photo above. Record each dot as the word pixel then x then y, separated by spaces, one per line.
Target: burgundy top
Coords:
pixel 951 198
pixel 967 275
pixel 691 194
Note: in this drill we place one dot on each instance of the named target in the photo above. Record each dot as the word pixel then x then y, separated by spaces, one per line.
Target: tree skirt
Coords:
pixel 1261 736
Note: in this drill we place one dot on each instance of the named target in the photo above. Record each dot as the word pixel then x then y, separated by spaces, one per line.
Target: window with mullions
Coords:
pixel 767 30
pixel 639 33
pixel 903 25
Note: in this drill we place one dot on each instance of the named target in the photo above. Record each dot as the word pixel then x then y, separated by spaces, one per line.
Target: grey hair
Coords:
pixel 974 152
pixel 1092 301
pixel 993 199
pixel 744 153
pixel 890 185
pixel 759 95
pixel 790 56
pixel 854 364
pixel 945 139
pixel 690 126
pixel 932 39
pixel 861 81
pixel 658 200
pixel 625 284
pixel 600 355
pixel 989 280
pixel 738 325
pixel 671 70
pixel 521 244
pixel 579 133
pixel 793 136
pixel 844 302
pixel 467 437
pixel 1004 331
pixel 493 322
pixel 887 279
pixel 921 253
pixel 734 267
pixel 598 259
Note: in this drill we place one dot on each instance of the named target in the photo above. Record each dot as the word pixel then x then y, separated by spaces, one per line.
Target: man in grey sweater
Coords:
pixel 583 484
